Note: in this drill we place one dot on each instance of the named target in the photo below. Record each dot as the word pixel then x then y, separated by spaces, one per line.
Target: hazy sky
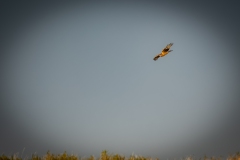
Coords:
pixel 80 77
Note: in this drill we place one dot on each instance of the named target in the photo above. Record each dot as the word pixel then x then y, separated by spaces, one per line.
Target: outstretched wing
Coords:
pixel 164 52
pixel 156 57
pixel 168 46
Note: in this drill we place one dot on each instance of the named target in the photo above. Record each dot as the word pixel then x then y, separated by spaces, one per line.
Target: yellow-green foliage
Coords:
pixel 104 156
pixel 118 157
pixel 3 157
pixel 35 157
pixel 13 157
pixel 91 158
pixel 234 157
pixel 64 156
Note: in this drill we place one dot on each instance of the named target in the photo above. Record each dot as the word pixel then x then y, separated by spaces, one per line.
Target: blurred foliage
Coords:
pixel 105 156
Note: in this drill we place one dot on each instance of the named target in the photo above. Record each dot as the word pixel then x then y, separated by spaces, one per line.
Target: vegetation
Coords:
pixel 104 156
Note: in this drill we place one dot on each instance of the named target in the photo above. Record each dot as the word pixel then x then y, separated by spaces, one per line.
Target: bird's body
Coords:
pixel 164 52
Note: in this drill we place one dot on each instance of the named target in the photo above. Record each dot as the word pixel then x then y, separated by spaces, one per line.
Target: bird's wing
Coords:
pixel 166 50
pixel 156 57
pixel 167 47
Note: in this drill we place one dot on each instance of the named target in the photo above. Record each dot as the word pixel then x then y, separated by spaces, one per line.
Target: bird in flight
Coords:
pixel 164 52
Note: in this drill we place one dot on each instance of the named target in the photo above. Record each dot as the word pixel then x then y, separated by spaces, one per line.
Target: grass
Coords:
pixel 105 156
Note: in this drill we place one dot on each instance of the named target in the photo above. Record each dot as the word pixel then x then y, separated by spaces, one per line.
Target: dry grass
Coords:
pixel 105 156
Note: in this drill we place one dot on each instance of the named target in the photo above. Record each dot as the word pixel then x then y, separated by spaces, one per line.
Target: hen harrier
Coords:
pixel 164 52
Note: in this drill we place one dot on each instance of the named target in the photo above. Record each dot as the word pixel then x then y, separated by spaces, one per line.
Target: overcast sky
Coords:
pixel 80 77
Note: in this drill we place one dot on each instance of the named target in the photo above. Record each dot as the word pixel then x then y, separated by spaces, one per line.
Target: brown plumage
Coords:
pixel 164 52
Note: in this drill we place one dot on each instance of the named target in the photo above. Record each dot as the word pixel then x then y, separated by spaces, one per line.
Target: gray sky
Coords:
pixel 80 77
